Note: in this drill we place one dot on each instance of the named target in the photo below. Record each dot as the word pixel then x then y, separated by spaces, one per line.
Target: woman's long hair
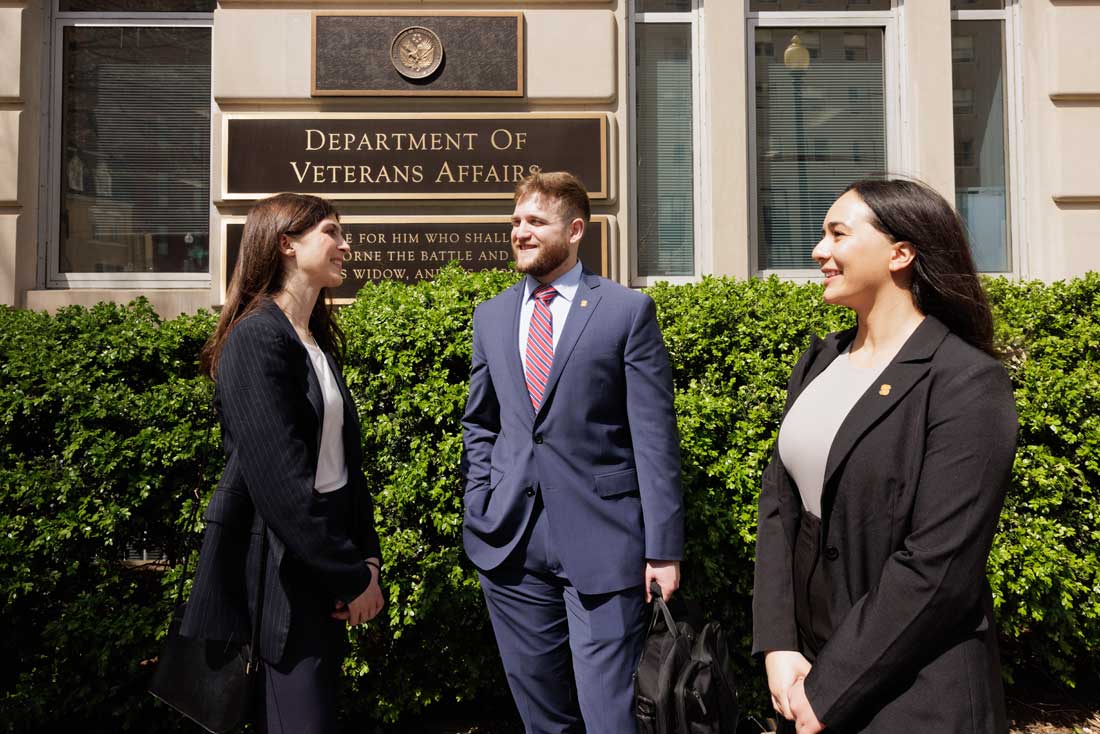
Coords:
pixel 259 272
pixel 944 279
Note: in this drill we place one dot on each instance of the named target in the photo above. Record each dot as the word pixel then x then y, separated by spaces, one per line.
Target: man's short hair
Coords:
pixel 560 185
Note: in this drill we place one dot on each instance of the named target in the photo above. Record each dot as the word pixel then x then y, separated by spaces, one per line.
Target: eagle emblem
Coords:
pixel 416 52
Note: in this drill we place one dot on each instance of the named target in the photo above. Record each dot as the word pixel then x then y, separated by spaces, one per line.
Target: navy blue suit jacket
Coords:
pixel 271 408
pixel 603 447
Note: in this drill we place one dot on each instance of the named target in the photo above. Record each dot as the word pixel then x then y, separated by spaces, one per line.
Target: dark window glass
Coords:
pixel 663 6
pixel 665 183
pixel 977 4
pixel 962 47
pixel 135 177
pixel 981 184
pixel 818 5
pixel 137 6
pixel 820 124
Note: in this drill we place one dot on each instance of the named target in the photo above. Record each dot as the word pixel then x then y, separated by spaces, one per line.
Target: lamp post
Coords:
pixel 797 59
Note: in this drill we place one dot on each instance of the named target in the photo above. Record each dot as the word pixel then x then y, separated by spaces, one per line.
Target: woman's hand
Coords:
pixel 785 668
pixel 805 720
pixel 364 607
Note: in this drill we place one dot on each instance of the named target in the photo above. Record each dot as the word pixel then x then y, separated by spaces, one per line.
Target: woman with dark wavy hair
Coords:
pixel 293 469
pixel 871 606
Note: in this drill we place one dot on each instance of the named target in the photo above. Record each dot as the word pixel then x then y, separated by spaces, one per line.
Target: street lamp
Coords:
pixel 797 59
pixel 797 56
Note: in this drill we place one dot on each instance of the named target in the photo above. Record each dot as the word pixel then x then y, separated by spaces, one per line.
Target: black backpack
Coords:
pixel 684 683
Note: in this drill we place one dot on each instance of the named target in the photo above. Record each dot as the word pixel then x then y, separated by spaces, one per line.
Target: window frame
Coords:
pixel 1015 197
pixel 701 252
pixel 50 225
pixel 893 103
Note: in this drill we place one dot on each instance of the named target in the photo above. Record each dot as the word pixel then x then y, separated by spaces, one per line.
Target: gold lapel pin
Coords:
pixel 584 303
pixel 884 389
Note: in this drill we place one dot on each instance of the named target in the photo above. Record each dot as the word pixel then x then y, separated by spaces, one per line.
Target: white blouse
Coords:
pixel 332 469
pixel 807 433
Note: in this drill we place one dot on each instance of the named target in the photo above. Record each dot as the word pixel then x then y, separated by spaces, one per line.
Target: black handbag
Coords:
pixel 212 682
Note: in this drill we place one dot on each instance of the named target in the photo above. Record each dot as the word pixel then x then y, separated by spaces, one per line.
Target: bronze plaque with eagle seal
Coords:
pixel 399 53
pixel 416 52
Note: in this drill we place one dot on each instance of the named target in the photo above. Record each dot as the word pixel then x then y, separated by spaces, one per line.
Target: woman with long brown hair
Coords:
pixel 871 606
pixel 293 469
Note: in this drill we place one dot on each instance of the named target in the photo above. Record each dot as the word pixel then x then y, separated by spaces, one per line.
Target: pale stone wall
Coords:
pixel 577 60
pixel 13 71
pixel 927 149
pixel 573 63
pixel 727 151
pixel 1061 145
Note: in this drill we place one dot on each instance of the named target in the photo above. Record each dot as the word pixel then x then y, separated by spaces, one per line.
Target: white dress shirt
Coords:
pixel 566 286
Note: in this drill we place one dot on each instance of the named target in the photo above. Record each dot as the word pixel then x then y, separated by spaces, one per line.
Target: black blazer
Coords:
pixel 270 403
pixel 914 485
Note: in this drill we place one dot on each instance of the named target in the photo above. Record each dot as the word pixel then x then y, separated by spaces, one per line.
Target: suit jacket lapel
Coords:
pixel 574 324
pixel 313 384
pixel 313 392
pixel 906 370
pixel 511 348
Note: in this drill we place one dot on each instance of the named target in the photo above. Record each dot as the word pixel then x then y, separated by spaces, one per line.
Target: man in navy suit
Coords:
pixel 572 468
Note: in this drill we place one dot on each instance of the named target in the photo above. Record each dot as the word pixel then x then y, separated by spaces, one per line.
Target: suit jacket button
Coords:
pixel 831 553
pixel 530 491
pixel 538 438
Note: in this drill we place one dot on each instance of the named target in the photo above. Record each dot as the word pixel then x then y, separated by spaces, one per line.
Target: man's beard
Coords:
pixel 548 258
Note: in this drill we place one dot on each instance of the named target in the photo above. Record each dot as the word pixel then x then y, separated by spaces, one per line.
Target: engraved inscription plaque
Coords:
pixel 412 249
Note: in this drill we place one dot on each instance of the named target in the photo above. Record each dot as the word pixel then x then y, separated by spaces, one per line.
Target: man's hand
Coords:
pixel 785 668
pixel 665 573
pixel 362 608
pixel 805 720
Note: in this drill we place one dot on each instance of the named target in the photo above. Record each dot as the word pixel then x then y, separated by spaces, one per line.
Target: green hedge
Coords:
pixel 105 424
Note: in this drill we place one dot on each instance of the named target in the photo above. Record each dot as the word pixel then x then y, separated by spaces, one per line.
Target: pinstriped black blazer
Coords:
pixel 269 400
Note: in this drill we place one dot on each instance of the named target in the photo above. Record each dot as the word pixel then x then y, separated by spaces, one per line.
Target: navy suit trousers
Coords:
pixel 569 657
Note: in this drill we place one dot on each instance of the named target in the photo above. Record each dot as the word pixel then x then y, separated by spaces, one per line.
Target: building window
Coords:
pixel 962 47
pixel 855 47
pixel 964 154
pixel 820 121
pixel 812 41
pixel 131 148
pixel 136 6
pixel 666 134
pixel 823 6
pixel 977 4
pixel 764 45
pixel 978 52
pixel 962 101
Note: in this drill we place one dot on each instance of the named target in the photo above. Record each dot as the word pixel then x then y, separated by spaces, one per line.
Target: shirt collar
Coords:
pixel 566 285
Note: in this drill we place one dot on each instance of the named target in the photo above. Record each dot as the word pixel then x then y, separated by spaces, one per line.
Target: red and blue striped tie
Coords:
pixel 540 344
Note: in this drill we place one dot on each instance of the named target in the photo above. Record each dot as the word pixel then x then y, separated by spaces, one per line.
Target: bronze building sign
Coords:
pixel 410 249
pixel 408 156
pixel 408 53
